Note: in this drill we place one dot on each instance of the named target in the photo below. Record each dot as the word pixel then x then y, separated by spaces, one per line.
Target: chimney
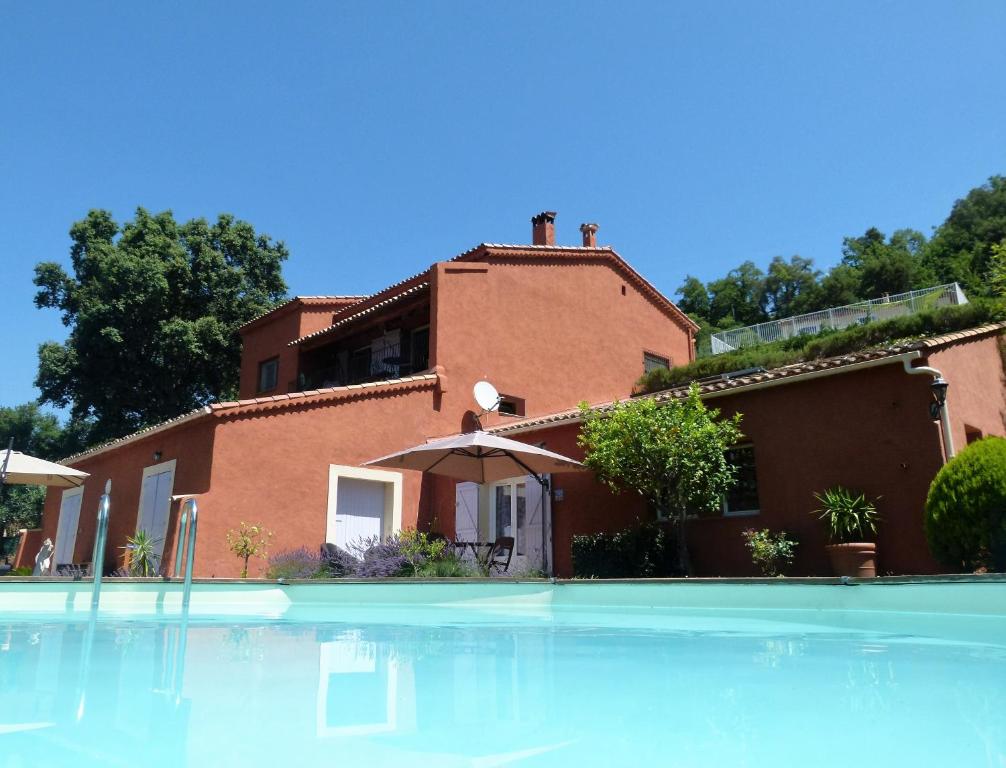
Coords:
pixel 589 232
pixel 543 228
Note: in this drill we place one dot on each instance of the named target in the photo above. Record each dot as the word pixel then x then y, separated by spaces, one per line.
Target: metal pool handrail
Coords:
pixel 187 525
pixel 100 538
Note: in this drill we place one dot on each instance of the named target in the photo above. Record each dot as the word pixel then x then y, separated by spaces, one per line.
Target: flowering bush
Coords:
pixel 296 564
pixel 248 541
pixel 337 562
pixel 772 554
pixel 377 558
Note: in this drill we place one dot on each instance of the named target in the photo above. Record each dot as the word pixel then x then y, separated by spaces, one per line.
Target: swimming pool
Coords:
pixel 530 674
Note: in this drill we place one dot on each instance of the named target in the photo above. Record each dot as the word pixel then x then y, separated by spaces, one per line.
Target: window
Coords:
pixel 510 508
pixel 268 374
pixel 511 406
pixel 651 362
pixel 742 499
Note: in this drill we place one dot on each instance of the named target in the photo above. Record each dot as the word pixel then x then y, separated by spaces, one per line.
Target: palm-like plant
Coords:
pixel 850 516
pixel 141 556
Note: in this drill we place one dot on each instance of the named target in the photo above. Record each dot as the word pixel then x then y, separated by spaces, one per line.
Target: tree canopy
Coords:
pixel 964 249
pixel 153 308
pixel 672 454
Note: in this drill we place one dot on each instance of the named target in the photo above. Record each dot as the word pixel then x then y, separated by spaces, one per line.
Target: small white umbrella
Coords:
pixel 18 468
pixel 479 457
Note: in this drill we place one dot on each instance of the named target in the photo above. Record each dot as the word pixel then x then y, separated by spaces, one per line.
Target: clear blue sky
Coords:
pixel 377 138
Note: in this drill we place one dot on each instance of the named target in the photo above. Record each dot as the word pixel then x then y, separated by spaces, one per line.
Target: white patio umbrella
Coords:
pixel 479 457
pixel 18 468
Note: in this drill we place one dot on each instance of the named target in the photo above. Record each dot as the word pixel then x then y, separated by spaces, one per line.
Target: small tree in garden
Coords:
pixel 673 454
pixel 773 554
pixel 966 508
pixel 248 541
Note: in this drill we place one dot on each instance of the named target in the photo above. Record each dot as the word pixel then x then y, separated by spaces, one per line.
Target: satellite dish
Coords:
pixel 486 396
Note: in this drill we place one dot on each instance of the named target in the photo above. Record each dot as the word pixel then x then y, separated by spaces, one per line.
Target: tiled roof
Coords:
pixel 497 249
pixel 275 402
pixel 711 386
pixel 302 300
pixel 345 318
pixel 324 394
pixel 192 415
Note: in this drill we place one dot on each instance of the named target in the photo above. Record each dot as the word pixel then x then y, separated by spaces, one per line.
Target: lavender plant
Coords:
pixel 377 558
pixel 296 564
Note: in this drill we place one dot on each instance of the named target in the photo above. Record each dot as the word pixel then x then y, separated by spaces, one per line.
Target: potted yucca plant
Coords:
pixel 851 519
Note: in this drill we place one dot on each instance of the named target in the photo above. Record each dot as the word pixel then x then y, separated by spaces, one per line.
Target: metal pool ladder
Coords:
pixel 188 521
pixel 100 538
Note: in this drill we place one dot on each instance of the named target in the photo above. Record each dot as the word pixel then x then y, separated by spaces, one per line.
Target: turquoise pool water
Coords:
pixel 452 685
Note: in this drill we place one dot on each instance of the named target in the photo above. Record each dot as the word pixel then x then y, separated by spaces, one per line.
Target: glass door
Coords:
pixel 510 512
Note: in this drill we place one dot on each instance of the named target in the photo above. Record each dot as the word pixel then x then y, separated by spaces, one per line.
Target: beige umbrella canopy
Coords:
pixel 18 468
pixel 479 457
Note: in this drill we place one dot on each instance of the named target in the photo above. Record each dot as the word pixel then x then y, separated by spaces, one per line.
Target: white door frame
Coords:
pixel 60 528
pixel 391 520
pixel 518 562
pixel 156 469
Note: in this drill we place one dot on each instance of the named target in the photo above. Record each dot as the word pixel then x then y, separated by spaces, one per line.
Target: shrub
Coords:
pixel 772 554
pixel 850 517
pixel 299 563
pixel 419 549
pixel 24 570
pixel 830 343
pixel 449 565
pixel 379 559
pixel 642 551
pixel 337 562
pixel 965 517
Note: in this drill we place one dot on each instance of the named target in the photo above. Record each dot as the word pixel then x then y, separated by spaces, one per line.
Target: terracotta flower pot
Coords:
pixel 858 559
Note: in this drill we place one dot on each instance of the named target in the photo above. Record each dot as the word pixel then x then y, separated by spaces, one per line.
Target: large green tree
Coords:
pixel 791 287
pixel 888 266
pixel 738 297
pixel 153 308
pixel 672 454
pixel 961 247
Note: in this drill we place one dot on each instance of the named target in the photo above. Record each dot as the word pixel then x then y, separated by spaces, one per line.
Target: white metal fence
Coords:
pixel 884 308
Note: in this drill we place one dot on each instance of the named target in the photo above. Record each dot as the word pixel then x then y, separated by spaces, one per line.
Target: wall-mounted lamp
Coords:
pixel 157 455
pixel 939 388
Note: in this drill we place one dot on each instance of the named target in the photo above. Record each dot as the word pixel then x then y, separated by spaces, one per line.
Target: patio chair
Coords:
pixel 500 554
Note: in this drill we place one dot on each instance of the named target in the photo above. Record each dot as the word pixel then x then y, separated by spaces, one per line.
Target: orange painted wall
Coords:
pixel 270 337
pixel 551 332
pixel 869 430
pixel 977 393
pixel 191 445
pixel 273 468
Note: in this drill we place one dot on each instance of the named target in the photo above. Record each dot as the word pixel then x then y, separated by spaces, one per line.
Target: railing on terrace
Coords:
pixel 369 364
pixel 860 313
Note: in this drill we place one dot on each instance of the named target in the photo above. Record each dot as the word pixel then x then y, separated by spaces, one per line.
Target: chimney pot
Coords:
pixel 589 232
pixel 543 228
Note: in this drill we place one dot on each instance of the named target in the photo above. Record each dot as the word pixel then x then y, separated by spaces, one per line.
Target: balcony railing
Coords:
pixel 884 308
pixel 369 364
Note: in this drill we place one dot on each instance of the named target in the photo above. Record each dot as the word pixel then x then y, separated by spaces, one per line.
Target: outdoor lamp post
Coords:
pixel 939 388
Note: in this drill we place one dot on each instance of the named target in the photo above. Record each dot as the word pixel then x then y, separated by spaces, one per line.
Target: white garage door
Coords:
pixel 359 510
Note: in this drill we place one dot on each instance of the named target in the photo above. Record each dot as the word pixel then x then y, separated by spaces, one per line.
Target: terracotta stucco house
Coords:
pixel 330 382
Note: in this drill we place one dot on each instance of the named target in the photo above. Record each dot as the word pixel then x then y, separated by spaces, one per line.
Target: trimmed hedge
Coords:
pixel 830 343
pixel 966 508
pixel 644 551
